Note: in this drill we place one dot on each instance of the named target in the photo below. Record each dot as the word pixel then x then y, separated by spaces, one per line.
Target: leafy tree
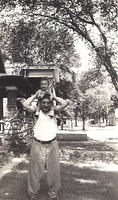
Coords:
pixel 87 18
pixel 91 79
pixel 33 40
pixel 114 99
pixel 91 95
pixel 63 88
pixel 100 101
pixel 95 21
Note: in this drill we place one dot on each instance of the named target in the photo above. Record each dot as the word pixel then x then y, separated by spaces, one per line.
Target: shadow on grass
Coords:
pixel 90 145
pixel 79 182
pixel 86 183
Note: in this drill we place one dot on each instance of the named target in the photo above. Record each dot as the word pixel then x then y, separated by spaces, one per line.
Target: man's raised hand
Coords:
pixel 39 94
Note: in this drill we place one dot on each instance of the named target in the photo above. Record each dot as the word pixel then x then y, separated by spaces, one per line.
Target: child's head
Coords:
pixel 44 83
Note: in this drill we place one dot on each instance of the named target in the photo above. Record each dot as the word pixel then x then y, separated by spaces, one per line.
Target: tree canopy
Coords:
pixel 34 40
pixel 92 20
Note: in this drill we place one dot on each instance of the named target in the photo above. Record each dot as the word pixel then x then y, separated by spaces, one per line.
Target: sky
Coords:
pixel 83 52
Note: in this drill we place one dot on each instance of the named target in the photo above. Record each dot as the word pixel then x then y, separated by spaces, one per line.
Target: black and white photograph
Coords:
pixel 58 100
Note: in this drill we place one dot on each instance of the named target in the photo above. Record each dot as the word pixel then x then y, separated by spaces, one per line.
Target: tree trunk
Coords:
pixel 110 69
pixel 83 120
pixel 76 117
pixel 71 124
pixel 83 128
pixel 72 22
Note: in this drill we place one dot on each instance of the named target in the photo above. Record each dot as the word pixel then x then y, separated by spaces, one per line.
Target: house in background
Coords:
pixel 22 84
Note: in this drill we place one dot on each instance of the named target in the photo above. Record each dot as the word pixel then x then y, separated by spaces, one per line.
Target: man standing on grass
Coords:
pixel 45 152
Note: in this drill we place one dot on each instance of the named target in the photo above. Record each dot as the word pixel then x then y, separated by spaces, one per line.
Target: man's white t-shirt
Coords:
pixel 45 128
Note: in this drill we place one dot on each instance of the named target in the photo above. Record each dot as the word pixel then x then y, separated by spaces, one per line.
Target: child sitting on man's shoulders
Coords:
pixel 45 88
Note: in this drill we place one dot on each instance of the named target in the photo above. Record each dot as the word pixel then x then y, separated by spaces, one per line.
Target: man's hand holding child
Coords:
pixel 40 94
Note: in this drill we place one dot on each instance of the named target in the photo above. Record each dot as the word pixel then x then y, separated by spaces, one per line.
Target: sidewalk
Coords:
pixel 8 167
pixel 96 133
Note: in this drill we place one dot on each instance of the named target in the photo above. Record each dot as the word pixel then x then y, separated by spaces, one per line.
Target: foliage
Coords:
pixel 91 94
pixel 91 79
pixel 84 155
pixel 95 21
pixel 64 88
pixel 42 31
pixel 18 134
pixel 34 40
pixel 5 156
pixel 114 99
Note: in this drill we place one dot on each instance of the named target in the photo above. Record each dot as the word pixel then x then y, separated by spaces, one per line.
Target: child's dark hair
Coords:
pixel 46 96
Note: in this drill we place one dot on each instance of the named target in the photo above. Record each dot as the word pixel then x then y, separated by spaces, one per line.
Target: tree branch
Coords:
pixel 98 27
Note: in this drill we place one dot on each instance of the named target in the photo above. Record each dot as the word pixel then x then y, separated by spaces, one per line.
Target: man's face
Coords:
pixel 45 105
pixel 44 85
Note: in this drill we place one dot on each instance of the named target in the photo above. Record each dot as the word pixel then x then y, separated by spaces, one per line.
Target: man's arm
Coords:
pixel 62 103
pixel 27 103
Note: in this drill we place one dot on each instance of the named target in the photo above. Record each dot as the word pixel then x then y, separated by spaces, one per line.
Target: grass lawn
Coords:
pixel 81 180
